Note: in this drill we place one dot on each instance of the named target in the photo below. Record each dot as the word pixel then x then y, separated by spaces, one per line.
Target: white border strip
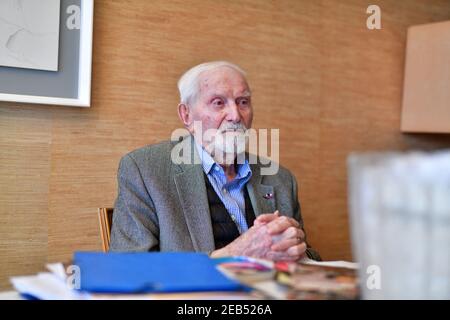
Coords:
pixel 84 70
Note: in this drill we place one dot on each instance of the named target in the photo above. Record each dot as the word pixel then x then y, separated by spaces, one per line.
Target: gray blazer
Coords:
pixel 162 206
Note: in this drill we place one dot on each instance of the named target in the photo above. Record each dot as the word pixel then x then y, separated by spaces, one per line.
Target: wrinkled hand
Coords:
pixel 272 237
pixel 288 237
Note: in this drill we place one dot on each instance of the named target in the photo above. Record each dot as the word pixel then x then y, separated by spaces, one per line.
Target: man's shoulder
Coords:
pixel 157 154
pixel 284 172
pixel 150 150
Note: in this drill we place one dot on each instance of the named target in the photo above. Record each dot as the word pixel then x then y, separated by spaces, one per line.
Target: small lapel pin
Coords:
pixel 268 196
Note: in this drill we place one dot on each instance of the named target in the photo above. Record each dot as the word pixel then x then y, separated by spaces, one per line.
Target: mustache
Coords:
pixel 233 127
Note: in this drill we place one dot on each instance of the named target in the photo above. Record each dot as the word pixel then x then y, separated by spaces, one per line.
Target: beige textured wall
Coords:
pixel 317 73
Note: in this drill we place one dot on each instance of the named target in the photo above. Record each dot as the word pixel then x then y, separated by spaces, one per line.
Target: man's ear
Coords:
pixel 185 115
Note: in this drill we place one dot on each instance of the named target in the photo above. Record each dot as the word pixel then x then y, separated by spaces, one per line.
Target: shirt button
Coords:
pixel 233 218
pixel 224 190
pixel 216 168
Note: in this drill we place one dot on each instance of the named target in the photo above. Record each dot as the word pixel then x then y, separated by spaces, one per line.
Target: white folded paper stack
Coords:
pixel 400 222
pixel 52 285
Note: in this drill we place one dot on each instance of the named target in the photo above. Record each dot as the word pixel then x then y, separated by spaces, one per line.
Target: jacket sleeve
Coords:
pixel 310 252
pixel 135 224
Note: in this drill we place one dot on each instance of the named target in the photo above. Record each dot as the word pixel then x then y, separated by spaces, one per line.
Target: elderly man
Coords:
pixel 216 205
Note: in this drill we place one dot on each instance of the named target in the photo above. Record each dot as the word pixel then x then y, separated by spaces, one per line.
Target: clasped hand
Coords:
pixel 272 236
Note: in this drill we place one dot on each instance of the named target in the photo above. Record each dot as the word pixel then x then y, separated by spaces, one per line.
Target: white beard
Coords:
pixel 230 142
pixel 227 146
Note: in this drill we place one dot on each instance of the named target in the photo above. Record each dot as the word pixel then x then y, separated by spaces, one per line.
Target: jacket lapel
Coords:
pixel 262 196
pixel 191 189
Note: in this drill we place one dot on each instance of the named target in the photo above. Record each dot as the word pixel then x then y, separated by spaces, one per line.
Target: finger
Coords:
pixel 294 222
pixel 290 233
pixel 270 216
pixel 266 217
pixel 257 223
pixel 282 223
pixel 300 234
pixel 290 237
pixel 278 225
pixel 285 244
pixel 292 254
pixel 297 251
pixel 277 256
pixel 280 256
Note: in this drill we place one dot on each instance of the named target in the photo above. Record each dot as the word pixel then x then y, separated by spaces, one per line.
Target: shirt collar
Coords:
pixel 207 161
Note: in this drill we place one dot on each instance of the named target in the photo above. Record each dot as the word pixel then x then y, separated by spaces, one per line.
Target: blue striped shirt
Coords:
pixel 230 193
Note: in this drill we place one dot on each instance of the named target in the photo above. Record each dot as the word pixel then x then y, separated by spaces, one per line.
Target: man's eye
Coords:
pixel 244 102
pixel 217 102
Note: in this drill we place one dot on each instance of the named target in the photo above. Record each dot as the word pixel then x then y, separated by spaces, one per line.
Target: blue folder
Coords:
pixel 150 272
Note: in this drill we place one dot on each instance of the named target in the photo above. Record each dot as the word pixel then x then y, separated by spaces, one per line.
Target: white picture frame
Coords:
pixel 83 98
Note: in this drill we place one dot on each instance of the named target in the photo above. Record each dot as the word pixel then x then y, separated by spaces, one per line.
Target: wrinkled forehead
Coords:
pixel 223 79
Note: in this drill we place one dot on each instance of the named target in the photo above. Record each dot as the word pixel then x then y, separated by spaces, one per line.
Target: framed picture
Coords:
pixel 46 51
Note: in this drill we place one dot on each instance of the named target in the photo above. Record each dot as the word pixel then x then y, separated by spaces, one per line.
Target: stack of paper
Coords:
pixel 51 285
pixel 400 215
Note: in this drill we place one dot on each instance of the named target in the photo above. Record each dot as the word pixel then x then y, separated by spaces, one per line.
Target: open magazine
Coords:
pixel 289 280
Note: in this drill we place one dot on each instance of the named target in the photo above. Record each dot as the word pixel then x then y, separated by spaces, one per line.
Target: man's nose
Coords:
pixel 233 113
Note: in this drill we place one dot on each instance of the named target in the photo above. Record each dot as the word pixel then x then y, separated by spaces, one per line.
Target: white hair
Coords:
pixel 188 85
